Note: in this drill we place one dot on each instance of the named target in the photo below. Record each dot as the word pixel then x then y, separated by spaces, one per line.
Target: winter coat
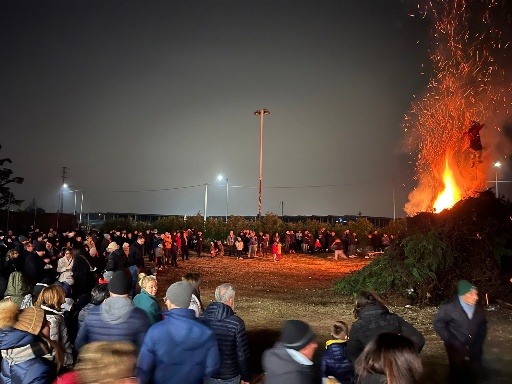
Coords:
pixel 373 320
pixel 463 337
pixel 335 362
pixel 178 350
pixel 18 290
pixel 116 319
pixel 117 261
pixel 148 304
pixel 59 332
pixel 281 368
pixel 35 270
pixel 31 368
pixel 135 256
pixel 229 330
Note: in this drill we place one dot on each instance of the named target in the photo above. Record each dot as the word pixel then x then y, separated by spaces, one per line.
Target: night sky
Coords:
pixel 146 101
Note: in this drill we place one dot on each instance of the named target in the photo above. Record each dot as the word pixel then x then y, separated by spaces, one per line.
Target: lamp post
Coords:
pixel 220 177
pixel 497 165
pixel 261 113
pixel 205 201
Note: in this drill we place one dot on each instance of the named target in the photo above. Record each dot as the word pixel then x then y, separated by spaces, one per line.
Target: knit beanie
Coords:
pixel 464 286
pixel 30 320
pixel 120 283
pixel 180 294
pixel 296 334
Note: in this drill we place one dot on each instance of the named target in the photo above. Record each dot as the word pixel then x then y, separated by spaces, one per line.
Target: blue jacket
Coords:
pixel 37 370
pixel 335 362
pixel 178 350
pixel 231 337
pixel 116 319
pixel 148 304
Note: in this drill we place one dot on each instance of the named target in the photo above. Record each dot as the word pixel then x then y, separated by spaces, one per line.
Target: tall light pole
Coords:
pixel 497 165
pixel 205 200
pixel 220 177
pixel 261 113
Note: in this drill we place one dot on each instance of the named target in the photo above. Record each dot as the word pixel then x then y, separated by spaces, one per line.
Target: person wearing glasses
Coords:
pixel 146 299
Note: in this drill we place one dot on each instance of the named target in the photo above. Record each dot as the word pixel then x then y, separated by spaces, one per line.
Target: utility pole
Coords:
pixel 282 208
pixel 64 177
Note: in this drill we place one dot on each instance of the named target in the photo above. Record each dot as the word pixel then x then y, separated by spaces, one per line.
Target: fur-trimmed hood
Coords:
pixel 8 313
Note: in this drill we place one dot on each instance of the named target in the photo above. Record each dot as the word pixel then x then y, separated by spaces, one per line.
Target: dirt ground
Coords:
pixel 300 287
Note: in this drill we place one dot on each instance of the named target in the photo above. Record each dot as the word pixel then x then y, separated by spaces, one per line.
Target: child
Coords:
pixel 213 249
pixel 274 250
pixel 278 251
pixel 334 359
pixel 239 244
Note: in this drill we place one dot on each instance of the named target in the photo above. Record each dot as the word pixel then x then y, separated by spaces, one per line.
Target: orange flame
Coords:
pixel 451 193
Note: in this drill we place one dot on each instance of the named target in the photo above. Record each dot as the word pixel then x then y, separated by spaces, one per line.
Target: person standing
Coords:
pixel 462 326
pixel 178 349
pixel 374 318
pixel 290 360
pixel 229 330
pixel 116 319
pixel 135 262
pixel 230 242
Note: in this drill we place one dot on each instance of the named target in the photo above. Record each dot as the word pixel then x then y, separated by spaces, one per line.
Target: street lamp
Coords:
pixel 261 113
pixel 205 200
pixel 497 165
pixel 220 177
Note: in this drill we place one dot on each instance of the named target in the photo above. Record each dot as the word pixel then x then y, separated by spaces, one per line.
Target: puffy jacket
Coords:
pixel 335 362
pixel 231 337
pixel 116 319
pixel 373 320
pixel 37 370
pixel 178 350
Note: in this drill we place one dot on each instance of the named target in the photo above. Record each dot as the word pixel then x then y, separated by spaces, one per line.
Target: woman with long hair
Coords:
pixel 50 300
pixel 389 358
pixel 374 318
pixel 194 279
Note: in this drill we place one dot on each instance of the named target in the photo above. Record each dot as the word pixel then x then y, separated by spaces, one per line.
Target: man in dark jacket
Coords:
pixel 179 349
pixel 135 262
pixel 289 361
pixel 37 265
pixel 116 319
pixel 462 326
pixel 229 329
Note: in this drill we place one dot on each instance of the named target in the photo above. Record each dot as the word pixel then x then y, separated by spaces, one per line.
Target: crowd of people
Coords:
pixel 75 304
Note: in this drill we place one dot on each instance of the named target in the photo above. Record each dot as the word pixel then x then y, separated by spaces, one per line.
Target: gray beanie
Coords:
pixel 180 294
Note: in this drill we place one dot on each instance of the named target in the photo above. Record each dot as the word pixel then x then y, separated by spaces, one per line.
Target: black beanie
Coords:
pixel 120 283
pixel 296 334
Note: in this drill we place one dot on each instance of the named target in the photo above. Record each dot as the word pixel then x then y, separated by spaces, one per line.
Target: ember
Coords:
pixel 468 84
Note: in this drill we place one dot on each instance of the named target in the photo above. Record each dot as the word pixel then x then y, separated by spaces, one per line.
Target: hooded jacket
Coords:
pixel 116 319
pixel 229 329
pixel 281 368
pixel 178 350
pixel 18 290
pixel 29 366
